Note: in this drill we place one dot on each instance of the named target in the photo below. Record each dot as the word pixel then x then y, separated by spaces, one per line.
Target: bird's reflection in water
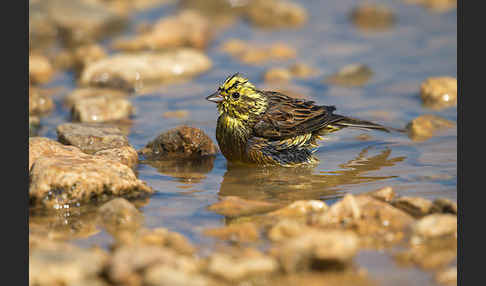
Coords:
pixel 281 185
pixel 185 170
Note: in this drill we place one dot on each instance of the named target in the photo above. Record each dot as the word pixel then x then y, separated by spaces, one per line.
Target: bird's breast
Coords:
pixel 232 136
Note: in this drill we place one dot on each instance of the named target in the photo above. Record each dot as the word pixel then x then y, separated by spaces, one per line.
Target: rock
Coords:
pixel 300 208
pixel 439 92
pixel 39 104
pixel 176 114
pixel 241 265
pixel 87 54
pixel 351 75
pixel 371 16
pixel 276 14
pixel 186 29
pixel 40 69
pixel 82 22
pixel 438 6
pixel 179 142
pixel 241 232
pixel 277 74
pixel 317 249
pixel 65 179
pixel 163 275
pixel 144 68
pixel 302 70
pixel 426 126
pixel 443 205
pixel 91 137
pixel 233 206
pixel 126 155
pixel 252 53
pixel 101 109
pixel 287 228
pixel 447 276
pixel 120 215
pixel 129 263
pixel 415 206
pixel 436 225
pixel 89 92
pixel 41 146
pixel 385 194
pixel 60 267
pixel 378 223
pixel 222 13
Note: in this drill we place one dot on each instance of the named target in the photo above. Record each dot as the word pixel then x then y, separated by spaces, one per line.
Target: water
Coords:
pixel 420 45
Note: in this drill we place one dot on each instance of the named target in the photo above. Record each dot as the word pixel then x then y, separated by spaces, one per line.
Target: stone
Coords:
pixel 120 215
pixel 253 53
pixel 447 276
pixel 127 155
pixel 88 92
pixel 300 208
pixel 385 194
pixel 443 205
pixel 287 228
pixel 41 146
pixel 415 206
pixel 437 6
pixel 101 109
pixel 276 14
pixel 40 69
pixel 372 16
pixel 436 225
pixel 277 74
pixel 426 126
pixel 144 68
pixel 39 104
pixel 66 179
pixel 186 29
pixel 317 249
pixel 176 114
pixel 439 92
pixel 179 142
pixel 302 70
pixel 232 206
pixel 351 75
pixel 241 232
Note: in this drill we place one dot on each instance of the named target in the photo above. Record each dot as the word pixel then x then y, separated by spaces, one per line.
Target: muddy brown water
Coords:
pixel 421 44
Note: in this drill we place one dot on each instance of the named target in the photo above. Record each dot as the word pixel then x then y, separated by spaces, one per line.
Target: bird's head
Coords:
pixel 238 98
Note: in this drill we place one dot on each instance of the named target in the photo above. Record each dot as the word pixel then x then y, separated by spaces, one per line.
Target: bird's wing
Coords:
pixel 288 117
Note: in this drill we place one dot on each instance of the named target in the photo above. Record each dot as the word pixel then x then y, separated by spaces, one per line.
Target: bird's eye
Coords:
pixel 236 95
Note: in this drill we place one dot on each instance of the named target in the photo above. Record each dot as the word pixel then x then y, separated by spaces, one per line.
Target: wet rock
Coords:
pixel 88 92
pixel 447 276
pixel 84 55
pixel 241 232
pixel 415 206
pixel 373 16
pixel 91 138
pixel 233 206
pixel 126 155
pixel 436 225
pixel 120 215
pixel 443 205
pixel 252 53
pixel 277 74
pixel 300 208
pixel 39 104
pixel 439 92
pixel 82 22
pixel 130 263
pixel 439 6
pixel 426 126
pixel 351 75
pixel 240 265
pixel 145 68
pixel 176 114
pixel 385 194
pixel 42 31
pixel 276 14
pixel 179 142
pixel 344 277
pixel 41 146
pixel 378 223
pixel 74 177
pixel 162 275
pixel 60 267
pixel 302 70
pixel 287 228
pixel 187 29
pixel 101 109
pixel 34 124
pixel 40 69
pixel 318 250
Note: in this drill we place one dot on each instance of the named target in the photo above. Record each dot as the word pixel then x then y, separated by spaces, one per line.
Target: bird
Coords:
pixel 269 128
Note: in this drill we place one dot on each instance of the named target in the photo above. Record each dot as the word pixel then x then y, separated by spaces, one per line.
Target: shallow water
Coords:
pixel 420 45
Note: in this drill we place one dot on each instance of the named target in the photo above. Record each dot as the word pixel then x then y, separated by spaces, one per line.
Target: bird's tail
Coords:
pixel 345 121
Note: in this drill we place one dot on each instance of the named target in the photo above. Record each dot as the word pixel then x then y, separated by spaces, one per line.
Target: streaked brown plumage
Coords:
pixel 270 128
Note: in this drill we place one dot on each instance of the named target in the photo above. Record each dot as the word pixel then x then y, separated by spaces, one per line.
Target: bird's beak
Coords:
pixel 215 97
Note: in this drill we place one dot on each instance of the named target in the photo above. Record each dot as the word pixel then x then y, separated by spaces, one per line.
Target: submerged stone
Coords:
pixel 40 69
pixel 92 92
pixel 276 14
pixel 101 109
pixel 439 92
pixel 426 126
pixel 351 75
pixel 415 206
pixel 371 16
